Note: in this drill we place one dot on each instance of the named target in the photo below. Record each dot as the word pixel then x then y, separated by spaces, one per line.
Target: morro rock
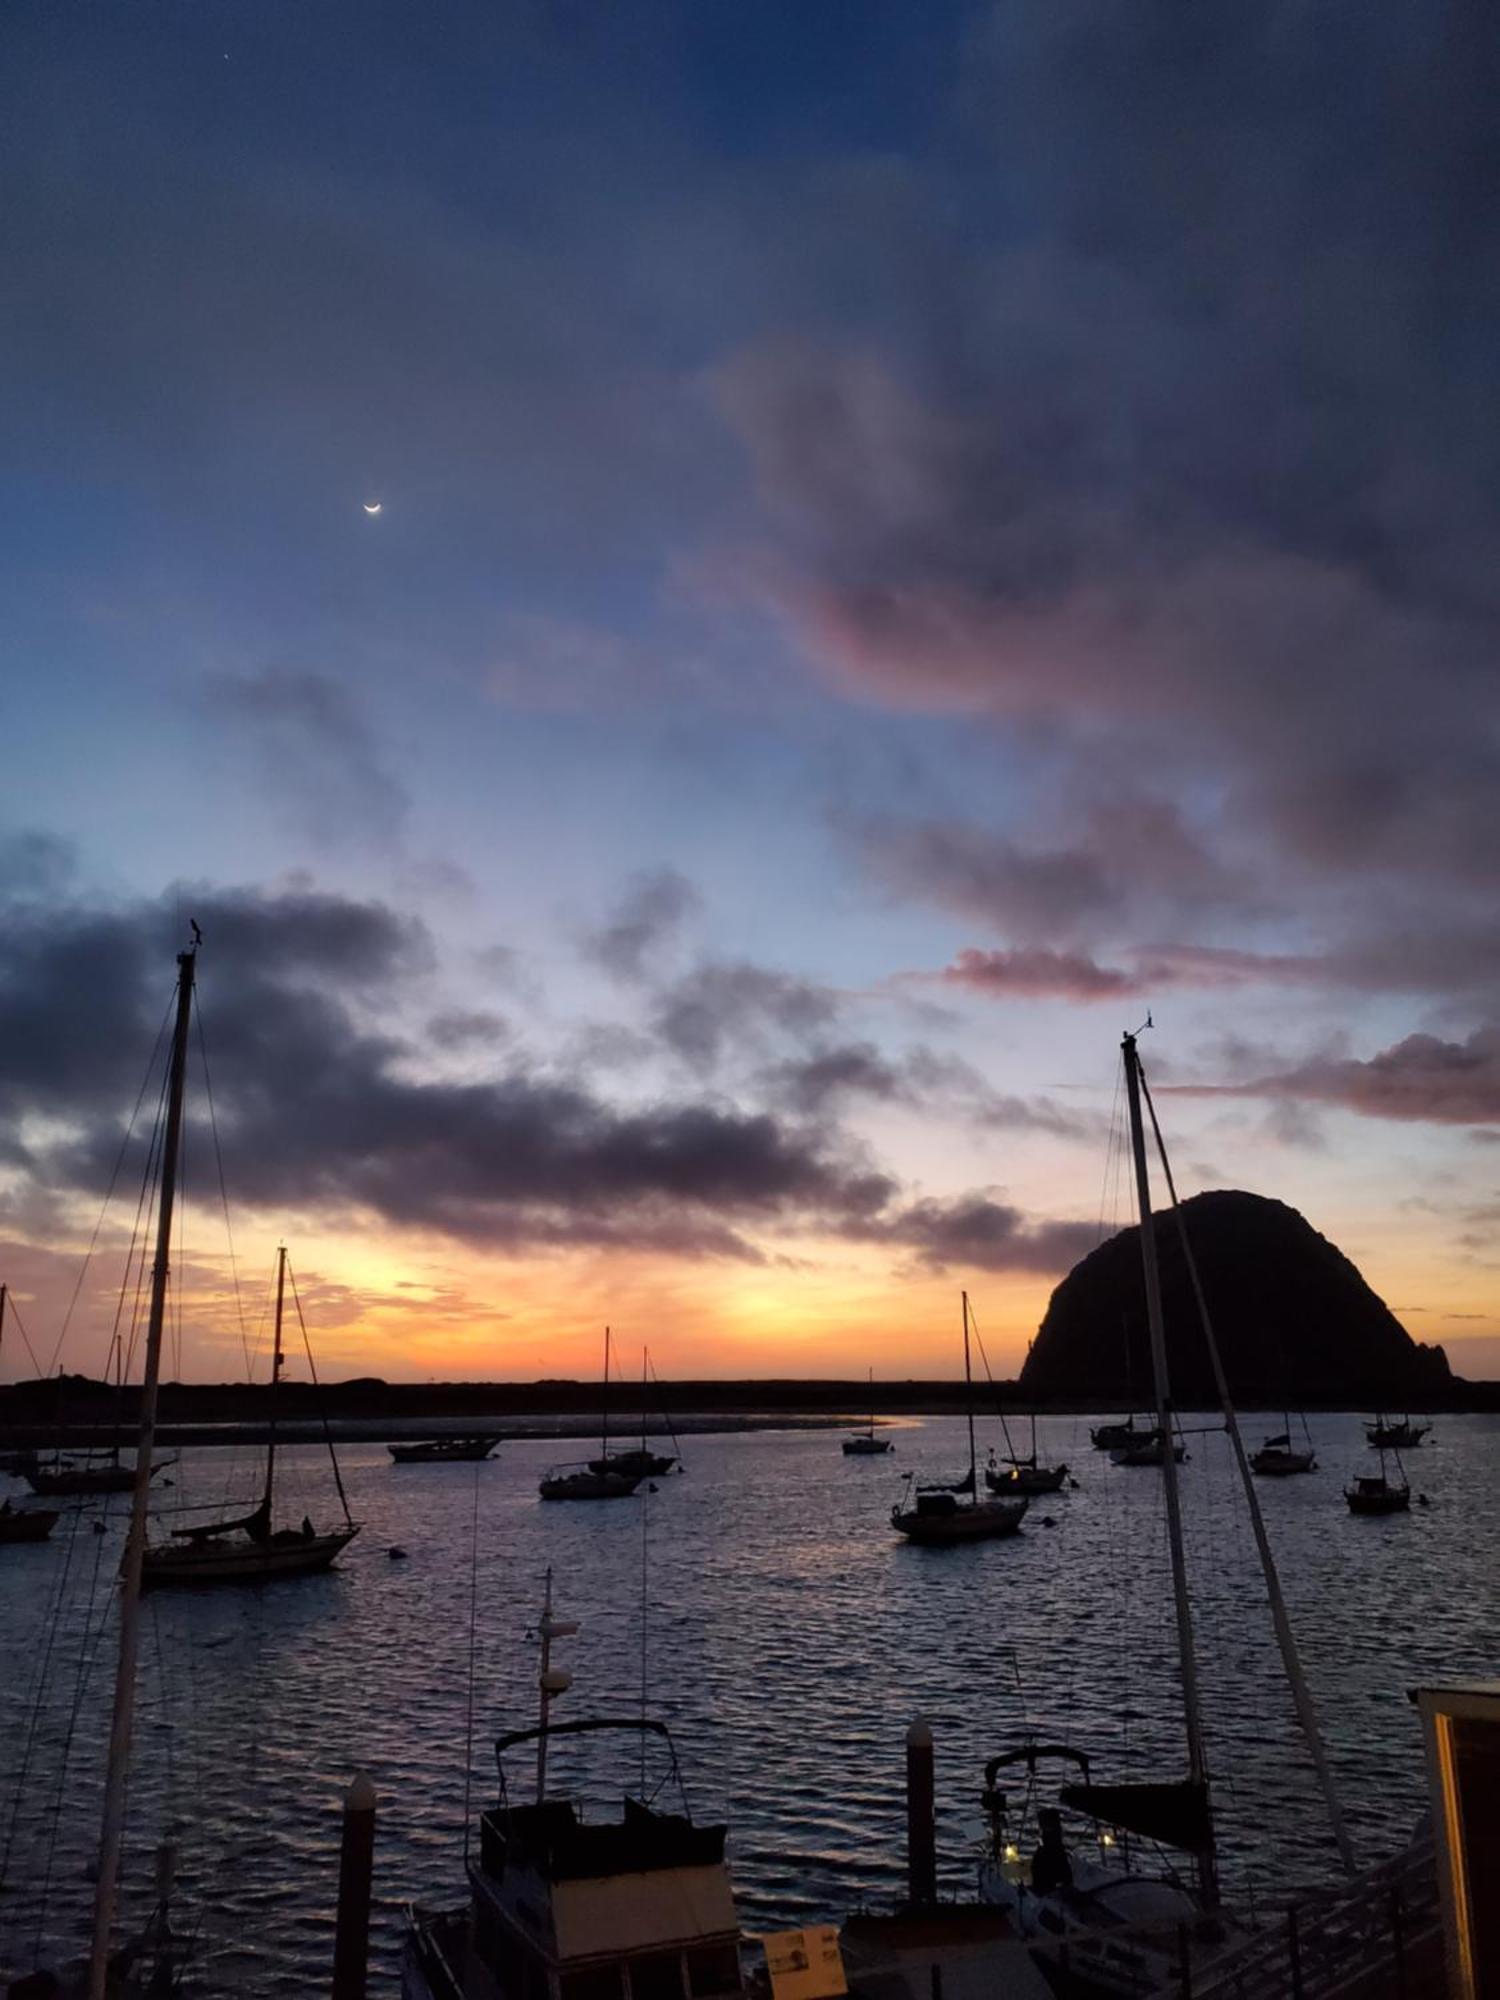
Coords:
pixel 1295 1321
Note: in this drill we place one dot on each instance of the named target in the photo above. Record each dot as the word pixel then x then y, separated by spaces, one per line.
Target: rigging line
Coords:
pixel 88 1646
pixel 13 1311
pixel 213 1126
pixel 1286 1638
pixel 312 1367
pixel 109 1191
pixel 135 1255
pixel 40 1686
pixel 665 1416
pixel 473 1627
pixel 645 1511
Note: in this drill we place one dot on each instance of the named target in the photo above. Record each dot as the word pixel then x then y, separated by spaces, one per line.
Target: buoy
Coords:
pixel 396 1555
pixel 1048 1521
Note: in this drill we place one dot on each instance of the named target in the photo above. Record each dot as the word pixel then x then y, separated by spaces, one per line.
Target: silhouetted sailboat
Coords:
pixel 938 1514
pixel 865 1444
pixel 248 1548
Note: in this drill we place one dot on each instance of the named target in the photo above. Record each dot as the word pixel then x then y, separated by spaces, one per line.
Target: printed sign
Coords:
pixel 805 1965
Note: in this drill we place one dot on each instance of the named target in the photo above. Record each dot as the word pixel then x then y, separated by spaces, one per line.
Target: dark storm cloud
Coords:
pixel 919 1079
pixel 318 1108
pixel 733 1004
pixel 314 752
pixel 324 1106
pixel 648 918
pixel 978 1233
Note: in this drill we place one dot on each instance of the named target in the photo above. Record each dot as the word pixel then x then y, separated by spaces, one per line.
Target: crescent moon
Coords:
pixel 375 509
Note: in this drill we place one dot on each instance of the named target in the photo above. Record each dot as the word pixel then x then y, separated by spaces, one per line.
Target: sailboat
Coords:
pixel 588 1481
pixel 1279 1458
pixel 938 1514
pixel 1130 1940
pixel 247 1548
pixel 639 1462
pixel 85 1475
pixel 1375 1494
pixel 1393 1436
pixel 865 1444
pixel 1013 1473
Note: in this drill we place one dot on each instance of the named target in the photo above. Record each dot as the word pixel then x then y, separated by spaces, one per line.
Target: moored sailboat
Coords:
pixel 446 1451
pixel 1393 1435
pixel 598 1478
pixel 942 1514
pixel 247 1548
pixel 637 1461
pixel 1376 1494
pixel 865 1444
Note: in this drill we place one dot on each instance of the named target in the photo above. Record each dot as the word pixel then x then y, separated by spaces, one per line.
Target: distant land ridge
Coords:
pixel 1295 1320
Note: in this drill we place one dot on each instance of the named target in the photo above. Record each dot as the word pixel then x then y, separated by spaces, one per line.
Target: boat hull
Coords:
pixel 79 1481
pixel 866 1447
pixel 243 1562
pixel 986 1521
pixel 1145 1454
pixel 589 1486
pixel 1395 1502
pixel 443 1451
pixel 1282 1464
pixel 632 1465
pixel 1027 1479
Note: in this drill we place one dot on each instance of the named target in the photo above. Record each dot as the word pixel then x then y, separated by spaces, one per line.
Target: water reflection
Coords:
pixel 790 1638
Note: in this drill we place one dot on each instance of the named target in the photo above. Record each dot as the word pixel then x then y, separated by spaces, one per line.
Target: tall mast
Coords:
pixel 969 1406
pixel 1192 1707
pixel 112 1826
pixel 872 1402
pixel 1307 1714
pixel 551 1681
pixel 277 1357
pixel 604 1404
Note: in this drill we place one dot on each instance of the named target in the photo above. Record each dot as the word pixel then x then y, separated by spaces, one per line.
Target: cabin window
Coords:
pixel 594 1982
pixel 713 1969
pixel 658 1977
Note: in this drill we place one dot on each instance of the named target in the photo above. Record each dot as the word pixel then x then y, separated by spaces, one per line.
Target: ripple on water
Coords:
pixel 791 1638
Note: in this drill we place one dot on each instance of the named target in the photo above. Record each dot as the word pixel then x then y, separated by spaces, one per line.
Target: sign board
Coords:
pixel 805 1965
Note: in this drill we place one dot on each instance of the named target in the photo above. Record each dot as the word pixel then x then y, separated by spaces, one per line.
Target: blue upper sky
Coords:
pixel 940 528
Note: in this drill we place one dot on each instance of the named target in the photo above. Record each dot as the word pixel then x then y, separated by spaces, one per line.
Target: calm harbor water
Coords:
pixel 789 1639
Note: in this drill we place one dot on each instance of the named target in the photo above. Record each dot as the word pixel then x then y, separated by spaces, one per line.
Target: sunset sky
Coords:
pixel 908 537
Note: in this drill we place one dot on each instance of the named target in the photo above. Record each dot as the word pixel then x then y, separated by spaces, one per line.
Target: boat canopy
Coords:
pixel 1175 1814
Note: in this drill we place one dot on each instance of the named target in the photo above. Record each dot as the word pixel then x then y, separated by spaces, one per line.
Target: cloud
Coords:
pixel 976 1232
pixel 315 753
pixel 834 1077
pixel 1421 1078
pixel 1170 468
pixel 319 1109
pixel 731 1002
pixel 1036 974
pixel 647 919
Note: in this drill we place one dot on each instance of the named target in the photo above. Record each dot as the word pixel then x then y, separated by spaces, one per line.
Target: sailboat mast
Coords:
pixel 277 1357
pixel 969 1406
pixel 1187 1657
pixel 112 1825
pixel 872 1402
pixel 604 1403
